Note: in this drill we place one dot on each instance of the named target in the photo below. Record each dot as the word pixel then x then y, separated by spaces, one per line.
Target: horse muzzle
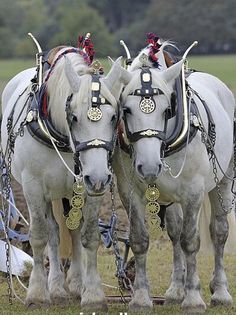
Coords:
pixel 97 186
pixel 149 173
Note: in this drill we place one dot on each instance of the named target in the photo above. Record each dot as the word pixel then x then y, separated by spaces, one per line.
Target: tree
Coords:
pixel 78 18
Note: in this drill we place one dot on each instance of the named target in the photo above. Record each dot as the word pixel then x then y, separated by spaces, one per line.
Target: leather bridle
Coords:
pixel 96 103
pixel 146 93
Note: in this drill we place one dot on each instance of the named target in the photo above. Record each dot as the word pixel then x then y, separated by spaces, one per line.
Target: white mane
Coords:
pixel 59 89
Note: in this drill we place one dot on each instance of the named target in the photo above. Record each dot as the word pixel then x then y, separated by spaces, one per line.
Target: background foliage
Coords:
pixel 53 22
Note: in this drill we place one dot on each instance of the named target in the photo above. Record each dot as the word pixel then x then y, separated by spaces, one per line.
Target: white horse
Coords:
pixel 146 130
pixel 45 178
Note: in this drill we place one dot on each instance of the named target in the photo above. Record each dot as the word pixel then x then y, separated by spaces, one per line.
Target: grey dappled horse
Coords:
pixel 45 178
pixel 146 132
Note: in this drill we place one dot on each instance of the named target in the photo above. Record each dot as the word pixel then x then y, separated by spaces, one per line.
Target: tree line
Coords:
pixel 57 22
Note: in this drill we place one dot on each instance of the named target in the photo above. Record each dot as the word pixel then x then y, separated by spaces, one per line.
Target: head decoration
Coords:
pixel 154 45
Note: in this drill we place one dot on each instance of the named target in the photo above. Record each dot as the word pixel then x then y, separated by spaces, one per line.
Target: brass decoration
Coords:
pixel 153 207
pixel 143 59
pixel 30 116
pixel 149 133
pixel 146 77
pixel 96 65
pixel 96 142
pixel 78 188
pixel 94 114
pixel 95 86
pixel 153 227
pixel 72 224
pixel 75 214
pixel 77 201
pixel 152 193
pixel 147 105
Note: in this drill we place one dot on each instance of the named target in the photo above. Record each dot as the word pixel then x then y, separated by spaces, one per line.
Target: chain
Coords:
pixel 6 189
pixel 123 280
pixel 209 143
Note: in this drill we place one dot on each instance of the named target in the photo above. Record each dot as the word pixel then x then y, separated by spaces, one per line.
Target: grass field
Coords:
pixel 159 270
pixel 160 257
pixel 224 67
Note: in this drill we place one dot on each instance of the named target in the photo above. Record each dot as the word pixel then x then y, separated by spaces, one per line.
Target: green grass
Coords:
pixel 223 67
pixel 159 271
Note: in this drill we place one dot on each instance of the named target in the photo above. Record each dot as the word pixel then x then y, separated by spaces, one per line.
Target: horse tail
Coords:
pixel 204 223
pixel 65 247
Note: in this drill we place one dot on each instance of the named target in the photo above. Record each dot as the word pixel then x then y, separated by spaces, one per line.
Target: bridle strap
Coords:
pixel 95 143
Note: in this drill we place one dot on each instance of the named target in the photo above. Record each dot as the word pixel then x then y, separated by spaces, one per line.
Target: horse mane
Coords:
pixel 58 87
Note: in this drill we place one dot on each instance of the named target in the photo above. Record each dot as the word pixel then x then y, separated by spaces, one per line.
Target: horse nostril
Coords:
pixel 87 181
pixel 140 169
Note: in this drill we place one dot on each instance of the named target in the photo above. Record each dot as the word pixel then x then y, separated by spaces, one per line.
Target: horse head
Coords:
pixel 146 102
pixel 81 105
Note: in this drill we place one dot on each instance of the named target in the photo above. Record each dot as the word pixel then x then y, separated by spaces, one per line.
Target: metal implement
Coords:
pixel 185 105
pixel 39 59
pixel 129 60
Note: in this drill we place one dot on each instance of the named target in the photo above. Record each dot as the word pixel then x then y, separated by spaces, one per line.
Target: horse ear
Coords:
pixel 113 80
pixel 72 76
pixel 171 73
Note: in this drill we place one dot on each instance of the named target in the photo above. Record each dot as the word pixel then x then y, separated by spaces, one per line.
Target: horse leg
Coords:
pixel 139 242
pixel 37 294
pixel 75 273
pixel 175 293
pixel 92 297
pixel 219 229
pixel 56 277
pixel 190 243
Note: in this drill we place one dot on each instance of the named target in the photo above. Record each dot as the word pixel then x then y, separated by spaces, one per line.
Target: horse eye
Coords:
pixel 113 118
pixel 127 110
pixel 75 119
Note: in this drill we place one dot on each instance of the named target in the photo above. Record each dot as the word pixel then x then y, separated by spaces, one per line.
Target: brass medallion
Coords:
pixel 154 227
pixel 147 105
pixel 77 201
pixel 94 114
pixel 78 188
pixel 153 207
pixel 152 193
pixel 72 224
pixel 75 214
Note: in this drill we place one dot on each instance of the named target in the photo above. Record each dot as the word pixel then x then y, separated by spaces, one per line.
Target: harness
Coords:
pixel 38 114
pixel 147 105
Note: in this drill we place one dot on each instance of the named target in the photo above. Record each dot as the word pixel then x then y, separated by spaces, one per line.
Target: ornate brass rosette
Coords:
pixel 78 188
pixel 94 114
pixel 77 201
pixel 153 207
pixel 154 227
pixel 72 224
pixel 152 193
pixel 75 214
pixel 147 105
